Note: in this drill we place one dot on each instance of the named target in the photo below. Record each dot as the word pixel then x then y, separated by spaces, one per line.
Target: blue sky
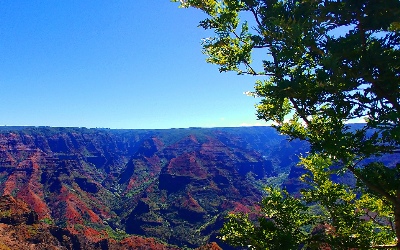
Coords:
pixel 114 64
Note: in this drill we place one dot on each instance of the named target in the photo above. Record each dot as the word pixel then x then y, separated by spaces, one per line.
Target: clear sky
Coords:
pixel 113 64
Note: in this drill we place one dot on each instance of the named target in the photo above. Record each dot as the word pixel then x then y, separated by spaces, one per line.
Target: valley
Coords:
pixel 174 185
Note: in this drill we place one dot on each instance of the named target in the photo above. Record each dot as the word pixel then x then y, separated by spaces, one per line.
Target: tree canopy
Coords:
pixel 325 64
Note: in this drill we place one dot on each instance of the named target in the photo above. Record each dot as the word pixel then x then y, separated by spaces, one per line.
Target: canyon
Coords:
pixel 160 188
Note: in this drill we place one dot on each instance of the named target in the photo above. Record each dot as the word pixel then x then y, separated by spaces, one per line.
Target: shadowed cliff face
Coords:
pixel 193 183
pixel 174 185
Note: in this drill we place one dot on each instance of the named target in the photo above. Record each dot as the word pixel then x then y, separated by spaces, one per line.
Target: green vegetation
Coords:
pixel 282 227
pixel 47 221
pixel 116 234
pixel 325 64
pixel 5 214
pixel 328 214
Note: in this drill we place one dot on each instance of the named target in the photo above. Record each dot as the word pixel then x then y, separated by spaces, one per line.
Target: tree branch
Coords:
pixel 298 110
pixel 384 246
pixel 245 61
pixel 371 186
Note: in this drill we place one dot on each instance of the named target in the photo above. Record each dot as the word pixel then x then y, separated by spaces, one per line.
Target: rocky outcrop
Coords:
pixel 16 212
pixel 20 229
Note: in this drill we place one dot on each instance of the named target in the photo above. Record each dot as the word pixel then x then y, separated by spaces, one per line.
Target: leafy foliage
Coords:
pixel 327 214
pixel 326 63
pixel 351 218
pixel 282 223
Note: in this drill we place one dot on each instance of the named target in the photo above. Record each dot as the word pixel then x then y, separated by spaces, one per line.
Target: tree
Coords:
pixel 328 214
pixel 326 63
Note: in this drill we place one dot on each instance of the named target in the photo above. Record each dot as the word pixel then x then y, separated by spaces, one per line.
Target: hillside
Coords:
pixel 173 185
